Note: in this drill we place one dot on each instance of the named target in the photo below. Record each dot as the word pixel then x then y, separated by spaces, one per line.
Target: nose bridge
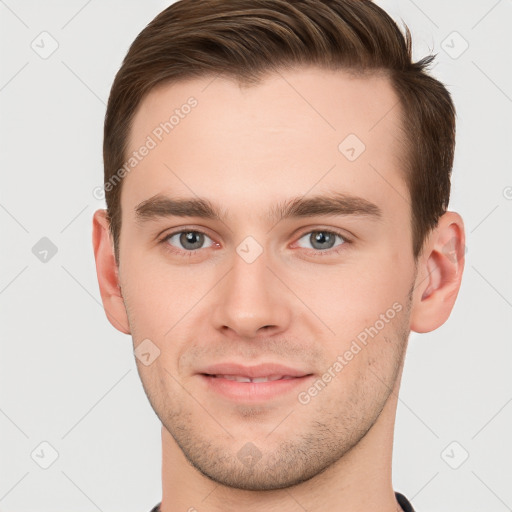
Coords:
pixel 251 297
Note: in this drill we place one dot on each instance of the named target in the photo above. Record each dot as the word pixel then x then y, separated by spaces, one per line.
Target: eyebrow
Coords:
pixel 160 206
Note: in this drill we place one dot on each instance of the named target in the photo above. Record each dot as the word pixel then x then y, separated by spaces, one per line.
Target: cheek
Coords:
pixel 360 300
pixel 162 304
pixel 148 302
pixel 354 297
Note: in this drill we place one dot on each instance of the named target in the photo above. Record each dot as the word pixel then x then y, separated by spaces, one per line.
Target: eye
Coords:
pixel 323 240
pixel 189 240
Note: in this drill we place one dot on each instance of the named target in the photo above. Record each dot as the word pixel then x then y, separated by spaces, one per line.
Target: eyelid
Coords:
pixel 348 237
pixel 333 251
pixel 306 231
pixel 184 229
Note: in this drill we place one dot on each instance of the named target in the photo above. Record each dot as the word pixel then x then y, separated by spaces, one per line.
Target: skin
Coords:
pixel 247 149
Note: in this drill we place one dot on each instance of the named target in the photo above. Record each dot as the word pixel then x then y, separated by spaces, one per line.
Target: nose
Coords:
pixel 251 301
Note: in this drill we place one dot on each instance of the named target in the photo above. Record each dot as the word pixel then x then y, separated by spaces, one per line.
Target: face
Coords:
pixel 322 288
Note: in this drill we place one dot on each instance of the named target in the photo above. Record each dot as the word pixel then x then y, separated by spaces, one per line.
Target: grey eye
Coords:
pixel 189 240
pixel 322 239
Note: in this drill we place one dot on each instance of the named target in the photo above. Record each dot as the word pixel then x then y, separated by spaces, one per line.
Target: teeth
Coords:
pixel 240 378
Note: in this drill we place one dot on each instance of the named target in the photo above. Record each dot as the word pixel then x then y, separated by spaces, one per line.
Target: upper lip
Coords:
pixel 260 370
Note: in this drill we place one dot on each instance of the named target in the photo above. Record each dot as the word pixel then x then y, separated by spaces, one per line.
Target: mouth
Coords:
pixel 243 378
pixel 242 388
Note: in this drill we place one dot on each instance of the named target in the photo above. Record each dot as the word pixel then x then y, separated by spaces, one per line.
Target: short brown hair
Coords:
pixel 244 39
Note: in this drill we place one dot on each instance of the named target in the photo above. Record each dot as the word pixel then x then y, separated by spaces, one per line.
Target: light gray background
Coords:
pixel 69 378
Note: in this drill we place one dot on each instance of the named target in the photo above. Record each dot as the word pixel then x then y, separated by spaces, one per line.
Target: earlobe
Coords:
pixel 107 273
pixel 439 274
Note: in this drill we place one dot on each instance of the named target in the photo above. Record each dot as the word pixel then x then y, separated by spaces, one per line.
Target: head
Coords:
pixel 290 206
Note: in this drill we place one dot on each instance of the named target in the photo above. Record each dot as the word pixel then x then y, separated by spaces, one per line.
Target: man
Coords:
pixel 277 176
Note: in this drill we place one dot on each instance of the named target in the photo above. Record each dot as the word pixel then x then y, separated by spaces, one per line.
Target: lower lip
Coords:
pixel 253 391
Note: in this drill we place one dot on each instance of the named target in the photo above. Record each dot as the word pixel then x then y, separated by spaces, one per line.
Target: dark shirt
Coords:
pixel 402 501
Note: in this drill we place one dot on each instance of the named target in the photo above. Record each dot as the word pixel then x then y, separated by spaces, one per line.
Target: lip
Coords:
pixel 260 370
pixel 253 391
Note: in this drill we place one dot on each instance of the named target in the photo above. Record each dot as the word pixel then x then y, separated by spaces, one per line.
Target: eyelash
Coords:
pixel 316 252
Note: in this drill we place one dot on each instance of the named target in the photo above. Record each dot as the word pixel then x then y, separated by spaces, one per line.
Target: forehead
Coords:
pixel 294 131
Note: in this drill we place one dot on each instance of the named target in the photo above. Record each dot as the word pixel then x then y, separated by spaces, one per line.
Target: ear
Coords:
pixel 439 275
pixel 107 272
